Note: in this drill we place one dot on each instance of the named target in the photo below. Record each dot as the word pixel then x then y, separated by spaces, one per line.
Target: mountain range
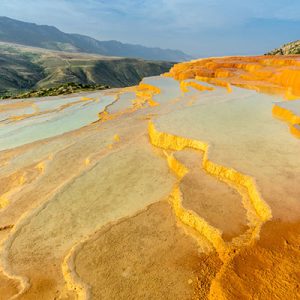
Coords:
pixel 49 37
pixel 34 57
pixel 24 68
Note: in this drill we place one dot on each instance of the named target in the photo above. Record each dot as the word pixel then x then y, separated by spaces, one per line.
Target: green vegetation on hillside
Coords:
pixel 64 89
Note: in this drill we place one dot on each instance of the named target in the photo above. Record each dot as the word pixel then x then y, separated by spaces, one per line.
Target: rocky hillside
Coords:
pixel 26 68
pixel 287 49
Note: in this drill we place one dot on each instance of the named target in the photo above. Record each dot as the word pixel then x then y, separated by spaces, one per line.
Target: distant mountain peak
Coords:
pixel 50 37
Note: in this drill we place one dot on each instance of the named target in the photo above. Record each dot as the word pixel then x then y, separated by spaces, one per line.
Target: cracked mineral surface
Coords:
pixel 183 187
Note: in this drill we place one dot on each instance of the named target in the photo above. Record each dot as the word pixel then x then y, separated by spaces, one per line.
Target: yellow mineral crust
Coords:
pixel 176 166
pixel 143 94
pixel 3 201
pixel 216 82
pixel 146 92
pixel 142 257
pixel 282 72
pixel 241 274
pixel 217 202
pixel 148 88
pixel 192 220
pixel 116 138
pixel 226 251
pixel 295 130
pixel 87 161
pixel 185 84
pixel 104 116
pixel 73 281
pixel 84 214
pixel 288 116
pixel 187 217
pixel 261 73
pixel 12 184
pixel 172 142
pixel 267 269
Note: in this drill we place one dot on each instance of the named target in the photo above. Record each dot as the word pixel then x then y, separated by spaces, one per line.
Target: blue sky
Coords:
pixel 198 27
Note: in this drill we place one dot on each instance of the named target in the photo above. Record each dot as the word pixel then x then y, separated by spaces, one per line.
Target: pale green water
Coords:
pixel 52 124
pixel 244 135
pixel 239 126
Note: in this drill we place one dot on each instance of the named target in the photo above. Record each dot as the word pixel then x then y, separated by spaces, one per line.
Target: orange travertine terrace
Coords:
pixel 269 74
pixel 184 187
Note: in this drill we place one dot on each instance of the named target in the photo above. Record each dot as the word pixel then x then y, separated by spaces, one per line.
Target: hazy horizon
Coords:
pixel 199 28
